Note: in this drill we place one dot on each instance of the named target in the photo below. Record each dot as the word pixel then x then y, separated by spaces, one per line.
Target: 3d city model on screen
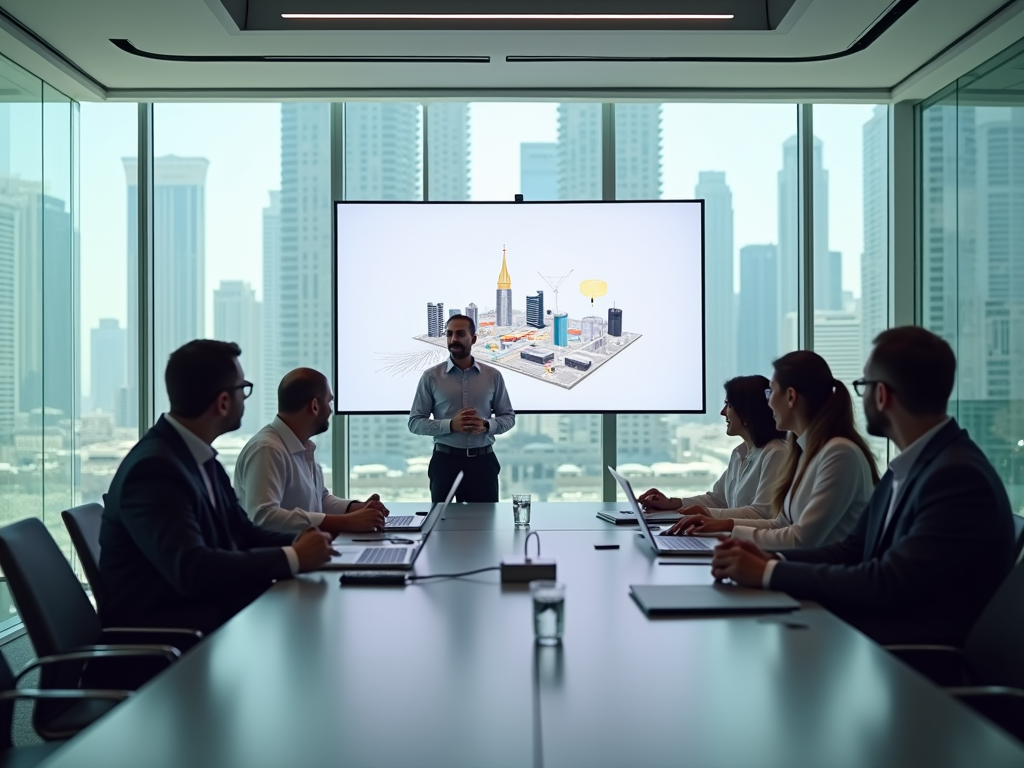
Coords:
pixel 538 339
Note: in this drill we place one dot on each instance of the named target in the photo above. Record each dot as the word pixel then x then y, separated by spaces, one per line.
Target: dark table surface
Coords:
pixel 446 674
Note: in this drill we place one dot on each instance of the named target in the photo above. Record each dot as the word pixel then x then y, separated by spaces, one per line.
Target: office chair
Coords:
pixel 83 524
pixel 27 757
pixel 61 622
pixel 987 674
pixel 1018 537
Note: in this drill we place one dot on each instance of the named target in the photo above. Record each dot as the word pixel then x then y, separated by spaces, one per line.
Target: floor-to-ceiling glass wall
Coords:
pixel 38 296
pixel 242 244
pixel 107 330
pixel 741 159
pixel 851 241
pixel 971 251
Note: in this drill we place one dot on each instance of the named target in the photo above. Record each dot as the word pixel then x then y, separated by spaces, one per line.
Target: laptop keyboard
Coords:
pixel 382 556
pixel 394 522
pixel 683 542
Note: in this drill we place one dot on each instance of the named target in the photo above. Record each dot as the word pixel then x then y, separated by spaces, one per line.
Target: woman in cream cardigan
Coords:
pixel 829 472
pixel 744 489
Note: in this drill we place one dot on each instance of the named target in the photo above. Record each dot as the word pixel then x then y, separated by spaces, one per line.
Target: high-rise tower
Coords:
pixel 535 310
pixel 179 261
pixel 504 305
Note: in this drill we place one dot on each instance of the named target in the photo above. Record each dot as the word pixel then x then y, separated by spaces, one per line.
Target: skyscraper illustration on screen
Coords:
pixel 544 344
pixel 503 312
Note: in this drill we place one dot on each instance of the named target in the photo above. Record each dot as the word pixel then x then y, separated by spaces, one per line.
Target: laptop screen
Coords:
pixel 628 490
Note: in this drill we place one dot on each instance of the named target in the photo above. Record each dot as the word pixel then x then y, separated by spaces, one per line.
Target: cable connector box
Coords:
pixel 519 570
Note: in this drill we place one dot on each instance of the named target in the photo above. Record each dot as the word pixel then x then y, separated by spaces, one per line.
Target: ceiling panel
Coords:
pixel 82 30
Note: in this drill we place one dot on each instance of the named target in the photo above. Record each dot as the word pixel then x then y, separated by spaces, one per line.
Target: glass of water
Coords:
pixel 548 611
pixel 521 509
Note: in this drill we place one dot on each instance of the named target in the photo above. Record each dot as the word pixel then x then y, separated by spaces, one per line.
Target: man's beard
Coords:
pixel 877 423
pixel 458 351
pixel 323 426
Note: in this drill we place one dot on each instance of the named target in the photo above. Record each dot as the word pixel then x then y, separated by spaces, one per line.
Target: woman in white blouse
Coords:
pixel 829 472
pixel 744 489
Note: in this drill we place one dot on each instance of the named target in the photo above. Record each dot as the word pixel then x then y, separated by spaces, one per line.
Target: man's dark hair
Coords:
pixel 468 319
pixel 197 373
pixel 295 392
pixel 919 366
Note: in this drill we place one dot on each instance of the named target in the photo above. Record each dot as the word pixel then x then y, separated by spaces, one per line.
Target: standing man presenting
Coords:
pixel 463 405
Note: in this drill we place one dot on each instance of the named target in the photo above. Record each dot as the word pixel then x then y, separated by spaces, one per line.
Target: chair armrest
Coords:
pixel 91 652
pixel 56 693
pixel 944 665
pixel 182 639
pixel 1002 705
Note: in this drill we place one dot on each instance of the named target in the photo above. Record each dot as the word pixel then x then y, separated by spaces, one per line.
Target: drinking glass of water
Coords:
pixel 548 611
pixel 521 509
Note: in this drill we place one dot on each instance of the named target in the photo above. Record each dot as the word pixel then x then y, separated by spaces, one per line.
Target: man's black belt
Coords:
pixel 483 450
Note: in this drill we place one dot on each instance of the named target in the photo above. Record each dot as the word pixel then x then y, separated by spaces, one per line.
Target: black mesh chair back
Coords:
pixel 83 524
pixel 993 648
pixel 1018 536
pixel 51 602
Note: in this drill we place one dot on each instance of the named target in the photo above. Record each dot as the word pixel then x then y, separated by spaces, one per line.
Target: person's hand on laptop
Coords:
pixel 699 524
pixel 368 518
pixel 740 562
pixel 371 503
pixel 694 510
pixel 313 548
pixel 655 500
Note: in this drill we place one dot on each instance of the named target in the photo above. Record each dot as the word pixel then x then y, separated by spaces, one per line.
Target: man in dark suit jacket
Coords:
pixel 937 537
pixel 177 550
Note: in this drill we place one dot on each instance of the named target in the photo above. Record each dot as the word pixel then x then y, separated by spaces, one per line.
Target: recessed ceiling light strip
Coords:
pixel 510 16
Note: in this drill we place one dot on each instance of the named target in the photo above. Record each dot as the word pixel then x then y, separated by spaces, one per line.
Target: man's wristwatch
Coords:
pixel 487 426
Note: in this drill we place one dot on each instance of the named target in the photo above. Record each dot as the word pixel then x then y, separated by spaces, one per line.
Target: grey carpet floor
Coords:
pixel 18 653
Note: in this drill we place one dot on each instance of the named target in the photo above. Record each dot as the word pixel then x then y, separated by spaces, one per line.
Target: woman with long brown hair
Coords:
pixel 829 472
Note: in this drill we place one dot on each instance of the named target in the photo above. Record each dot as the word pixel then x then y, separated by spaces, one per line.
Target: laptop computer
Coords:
pixel 388 554
pixel 669 546
pixel 626 516
pixel 680 600
pixel 409 523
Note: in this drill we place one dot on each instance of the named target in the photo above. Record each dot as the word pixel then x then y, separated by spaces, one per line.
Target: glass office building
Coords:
pixel 239 246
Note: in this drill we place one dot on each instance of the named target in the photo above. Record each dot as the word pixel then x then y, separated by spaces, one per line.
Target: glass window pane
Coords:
pixel 21 296
pixel 851 240
pixel 59 358
pixel 972 253
pixel 109 409
pixel 242 233
pixel 383 161
pixel 707 151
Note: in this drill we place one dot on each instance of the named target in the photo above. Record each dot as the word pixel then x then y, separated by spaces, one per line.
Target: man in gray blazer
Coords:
pixel 936 539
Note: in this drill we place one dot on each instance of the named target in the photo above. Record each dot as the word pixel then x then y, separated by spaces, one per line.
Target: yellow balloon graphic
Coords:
pixel 593 289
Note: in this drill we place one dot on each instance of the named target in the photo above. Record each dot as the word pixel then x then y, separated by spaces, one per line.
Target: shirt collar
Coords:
pixel 201 450
pixel 901 464
pixel 291 442
pixel 802 441
pixel 451 364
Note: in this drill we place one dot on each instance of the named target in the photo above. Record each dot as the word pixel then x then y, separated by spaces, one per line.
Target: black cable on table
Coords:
pixel 454 575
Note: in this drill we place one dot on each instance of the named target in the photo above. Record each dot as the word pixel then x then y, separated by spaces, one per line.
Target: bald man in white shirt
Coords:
pixel 277 479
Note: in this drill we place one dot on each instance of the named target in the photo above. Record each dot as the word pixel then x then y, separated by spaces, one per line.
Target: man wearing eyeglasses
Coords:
pixel 177 549
pixel 937 537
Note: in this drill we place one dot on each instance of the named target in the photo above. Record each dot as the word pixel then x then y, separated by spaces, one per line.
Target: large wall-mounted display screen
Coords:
pixel 583 307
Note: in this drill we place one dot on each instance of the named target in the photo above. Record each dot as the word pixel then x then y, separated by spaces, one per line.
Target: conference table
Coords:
pixel 446 673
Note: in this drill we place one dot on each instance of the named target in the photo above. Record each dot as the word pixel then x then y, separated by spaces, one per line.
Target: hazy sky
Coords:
pixel 242 143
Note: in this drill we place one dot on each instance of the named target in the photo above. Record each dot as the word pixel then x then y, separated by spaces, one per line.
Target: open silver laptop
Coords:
pixel 388 554
pixel 664 545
